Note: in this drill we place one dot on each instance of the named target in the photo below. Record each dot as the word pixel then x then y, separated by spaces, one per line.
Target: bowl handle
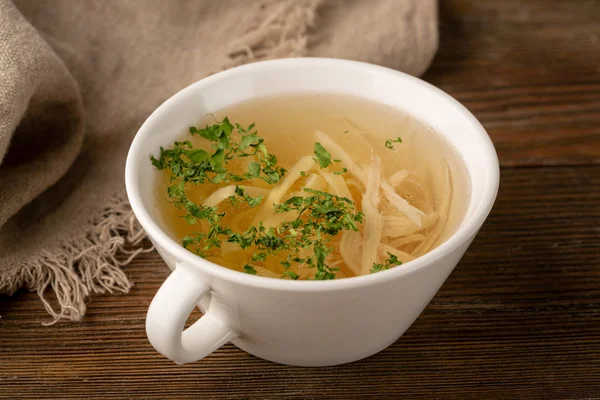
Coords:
pixel 169 311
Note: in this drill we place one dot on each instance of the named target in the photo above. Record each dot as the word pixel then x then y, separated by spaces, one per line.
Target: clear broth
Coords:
pixel 287 123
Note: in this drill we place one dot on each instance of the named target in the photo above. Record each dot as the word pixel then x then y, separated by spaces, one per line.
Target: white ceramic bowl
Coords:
pixel 309 323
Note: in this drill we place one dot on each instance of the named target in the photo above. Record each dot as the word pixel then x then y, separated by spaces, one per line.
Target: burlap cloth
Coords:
pixel 77 79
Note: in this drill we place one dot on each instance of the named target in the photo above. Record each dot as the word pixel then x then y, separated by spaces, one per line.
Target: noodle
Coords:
pixel 373 224
pixel 350 250
pixel 224 193
pixel 402 205
pixel 400 194
pixel 399 177
pixel 337 152
pixel 427 244
pixel 305 164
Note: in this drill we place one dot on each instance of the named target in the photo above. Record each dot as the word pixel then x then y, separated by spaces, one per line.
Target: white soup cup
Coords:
pixel 307 323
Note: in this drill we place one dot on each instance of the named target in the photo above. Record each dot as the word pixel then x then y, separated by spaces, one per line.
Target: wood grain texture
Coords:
pixel 530 71
pixel 519 318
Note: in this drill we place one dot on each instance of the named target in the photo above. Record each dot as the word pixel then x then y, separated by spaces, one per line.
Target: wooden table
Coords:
pixel 518 319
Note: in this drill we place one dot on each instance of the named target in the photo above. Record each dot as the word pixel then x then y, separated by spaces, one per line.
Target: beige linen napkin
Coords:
pixel 77 79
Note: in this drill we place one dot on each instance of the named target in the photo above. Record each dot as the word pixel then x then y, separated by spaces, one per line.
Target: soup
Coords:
pixel 310 186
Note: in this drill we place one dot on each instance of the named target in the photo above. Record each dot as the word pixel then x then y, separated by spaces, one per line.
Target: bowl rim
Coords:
pixel 464 233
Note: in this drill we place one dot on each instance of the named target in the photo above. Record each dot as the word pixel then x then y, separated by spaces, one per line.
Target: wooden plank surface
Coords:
pixel 530 71
pixel 518 318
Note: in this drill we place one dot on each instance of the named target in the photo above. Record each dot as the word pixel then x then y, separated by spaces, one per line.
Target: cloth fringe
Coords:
pixel 281 31
pixel 85 265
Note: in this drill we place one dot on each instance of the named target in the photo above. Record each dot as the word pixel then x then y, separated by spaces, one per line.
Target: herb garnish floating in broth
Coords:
pixel 324 216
